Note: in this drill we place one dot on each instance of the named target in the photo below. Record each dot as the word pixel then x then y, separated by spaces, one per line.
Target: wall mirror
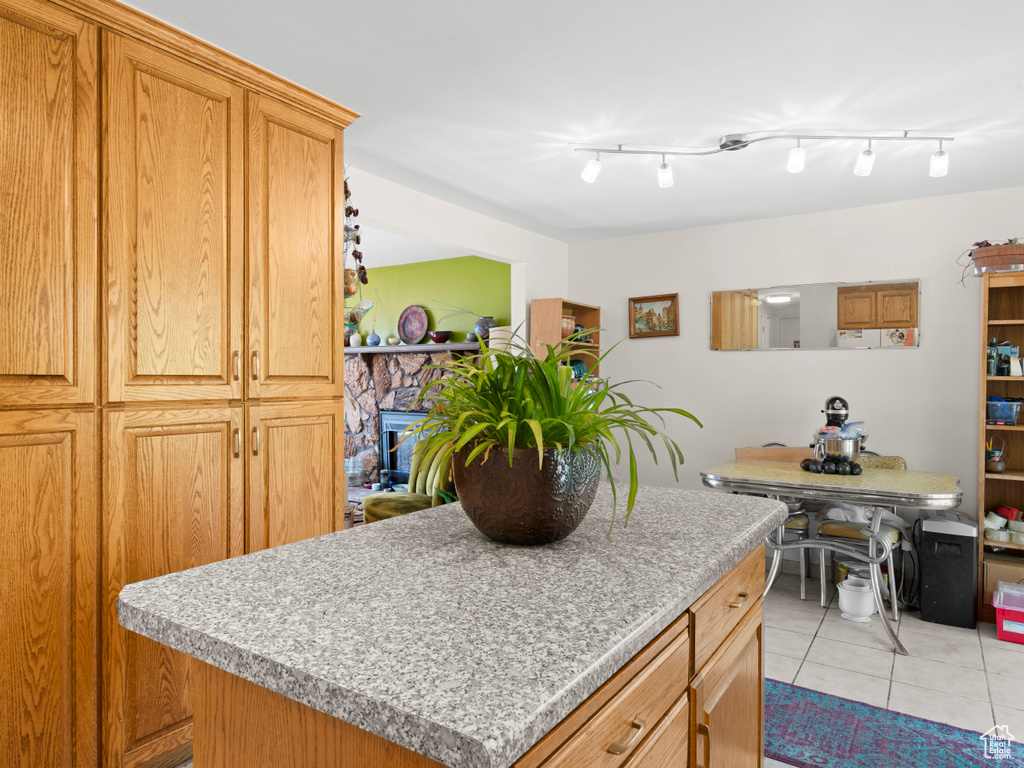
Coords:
pixel 870 315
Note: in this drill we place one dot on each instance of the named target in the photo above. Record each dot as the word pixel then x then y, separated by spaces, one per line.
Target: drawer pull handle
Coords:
pixel 705 730
pixel 618 749
pixel 254 366
pixel 238 443
pixel 255 441
pixel 739 603
pixel 236 361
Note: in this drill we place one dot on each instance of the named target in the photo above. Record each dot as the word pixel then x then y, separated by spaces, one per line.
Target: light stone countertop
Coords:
pixel 422 631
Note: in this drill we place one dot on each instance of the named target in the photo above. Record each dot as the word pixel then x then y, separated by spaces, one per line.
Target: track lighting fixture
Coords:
pixel 939 165
pixel 664 174
pixel 865 162
pixel 797 156
pixel 591 169
pixel 734 142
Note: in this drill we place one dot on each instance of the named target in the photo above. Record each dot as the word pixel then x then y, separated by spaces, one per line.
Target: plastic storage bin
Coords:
pixel 1003 411
pixel 1008 601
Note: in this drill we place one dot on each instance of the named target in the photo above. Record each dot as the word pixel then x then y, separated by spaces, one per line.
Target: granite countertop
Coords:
pixel 424 632
pixel 874 486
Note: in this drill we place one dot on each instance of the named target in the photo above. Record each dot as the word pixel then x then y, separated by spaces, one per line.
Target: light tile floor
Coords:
pixel 964 677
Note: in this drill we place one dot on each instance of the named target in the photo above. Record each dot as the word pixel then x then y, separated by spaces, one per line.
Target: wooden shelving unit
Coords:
pixel 546 327
pixel 1002 316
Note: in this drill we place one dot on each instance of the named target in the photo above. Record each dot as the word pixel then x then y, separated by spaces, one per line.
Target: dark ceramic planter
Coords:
pixel 524 503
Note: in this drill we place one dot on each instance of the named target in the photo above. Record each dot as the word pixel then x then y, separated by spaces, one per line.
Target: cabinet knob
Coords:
pixel 743 596
pixel 704 730
pixel 618 749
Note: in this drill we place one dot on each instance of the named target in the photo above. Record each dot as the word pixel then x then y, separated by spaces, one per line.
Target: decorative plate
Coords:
pixel 412 324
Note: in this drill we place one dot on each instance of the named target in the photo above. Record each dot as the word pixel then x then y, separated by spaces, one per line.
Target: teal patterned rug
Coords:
pixel 809 729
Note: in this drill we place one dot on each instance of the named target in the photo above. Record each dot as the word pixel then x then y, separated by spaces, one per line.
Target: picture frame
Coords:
pixel 651 316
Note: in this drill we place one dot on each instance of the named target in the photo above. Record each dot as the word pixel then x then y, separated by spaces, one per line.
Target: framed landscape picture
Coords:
pixel 654 316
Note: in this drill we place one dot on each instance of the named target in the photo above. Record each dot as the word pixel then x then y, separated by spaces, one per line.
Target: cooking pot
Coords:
pixel 848 449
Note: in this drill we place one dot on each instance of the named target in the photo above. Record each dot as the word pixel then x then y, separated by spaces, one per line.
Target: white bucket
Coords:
pixel 856 599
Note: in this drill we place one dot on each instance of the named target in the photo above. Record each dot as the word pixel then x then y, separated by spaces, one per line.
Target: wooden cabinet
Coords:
pixel 726 699
pixel 296 472
pixel 49 551
pixel 546 317
pixel 890 305
pixel 734 319
pixel 296 230
pixel 173 189
pixel 1002 318
pixel 48 189
pixel 173 499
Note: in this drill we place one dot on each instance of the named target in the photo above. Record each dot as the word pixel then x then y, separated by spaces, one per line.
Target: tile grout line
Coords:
pixel 988 686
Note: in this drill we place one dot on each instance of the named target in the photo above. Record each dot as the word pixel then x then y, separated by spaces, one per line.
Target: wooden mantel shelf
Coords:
pixel 383 349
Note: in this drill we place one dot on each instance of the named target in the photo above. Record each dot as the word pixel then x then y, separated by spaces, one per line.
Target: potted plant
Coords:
pixel 997 257
pixel 528 444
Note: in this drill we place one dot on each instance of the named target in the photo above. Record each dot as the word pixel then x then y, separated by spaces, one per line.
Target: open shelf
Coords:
pixel 1003 544
pixel 1008 475
pixel 1006 322
pixel 365 349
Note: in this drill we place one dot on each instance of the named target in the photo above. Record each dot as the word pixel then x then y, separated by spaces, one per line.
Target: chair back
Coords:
pixel 882 462
pixel 787 454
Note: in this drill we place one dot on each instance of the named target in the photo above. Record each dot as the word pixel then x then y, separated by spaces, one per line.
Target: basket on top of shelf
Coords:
pixel 1005 257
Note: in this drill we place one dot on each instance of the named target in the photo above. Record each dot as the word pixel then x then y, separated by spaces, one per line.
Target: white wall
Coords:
pixel 918 403
pixel 539 264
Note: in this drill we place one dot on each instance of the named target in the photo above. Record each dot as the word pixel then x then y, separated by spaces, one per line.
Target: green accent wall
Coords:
pixel 471 282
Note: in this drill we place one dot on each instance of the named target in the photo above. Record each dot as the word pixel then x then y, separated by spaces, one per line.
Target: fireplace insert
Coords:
pixel 396 454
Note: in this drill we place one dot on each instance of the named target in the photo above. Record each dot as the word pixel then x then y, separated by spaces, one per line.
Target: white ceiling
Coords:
pixel 481 103
pixel 389 249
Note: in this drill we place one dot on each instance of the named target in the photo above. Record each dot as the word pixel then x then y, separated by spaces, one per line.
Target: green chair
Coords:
pixel 425 486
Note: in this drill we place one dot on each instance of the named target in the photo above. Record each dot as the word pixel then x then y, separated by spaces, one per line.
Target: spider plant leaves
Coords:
pixel 514 398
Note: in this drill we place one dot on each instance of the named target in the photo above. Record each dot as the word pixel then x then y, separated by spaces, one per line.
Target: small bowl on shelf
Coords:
pixel 440 337
pixel 394 341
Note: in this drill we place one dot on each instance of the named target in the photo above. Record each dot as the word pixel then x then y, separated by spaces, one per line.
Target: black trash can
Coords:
pixel 949 568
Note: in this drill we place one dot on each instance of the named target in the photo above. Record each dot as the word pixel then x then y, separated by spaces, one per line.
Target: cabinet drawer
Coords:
pixel 631 715
pixel 669 744
pixel 721 608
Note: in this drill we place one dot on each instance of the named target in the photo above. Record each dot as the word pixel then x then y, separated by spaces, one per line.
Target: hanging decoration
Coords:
pixel 355 276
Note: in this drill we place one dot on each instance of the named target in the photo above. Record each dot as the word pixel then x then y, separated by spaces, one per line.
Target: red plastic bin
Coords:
pixel 1008 601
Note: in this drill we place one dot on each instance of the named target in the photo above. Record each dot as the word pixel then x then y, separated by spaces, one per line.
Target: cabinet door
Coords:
pixel 896 306
pixel 726 700
pixel 173 499
pixel 296 238
pixel 856 308
pixel 296 472
pixel 734 320
pixel 173 176
pixel 48 186
pixel 49 552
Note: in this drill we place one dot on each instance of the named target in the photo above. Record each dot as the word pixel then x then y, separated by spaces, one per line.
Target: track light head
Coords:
pixel 591 169
pixel 665 179
pixel 797 158
pixel 939 165
pixel 865 162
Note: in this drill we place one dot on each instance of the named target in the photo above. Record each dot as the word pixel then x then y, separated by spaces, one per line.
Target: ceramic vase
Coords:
pixel 373 339
pixel 524 503
pixel 483 326
pixel 355 340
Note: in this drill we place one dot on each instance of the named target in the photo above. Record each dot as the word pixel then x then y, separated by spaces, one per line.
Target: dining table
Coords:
pixel 889 488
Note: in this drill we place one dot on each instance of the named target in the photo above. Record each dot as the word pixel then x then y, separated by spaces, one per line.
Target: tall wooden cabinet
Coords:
pixel 173 210
pixel 48 166
pixel 48 585
pixel 191 360
pixel 1002 318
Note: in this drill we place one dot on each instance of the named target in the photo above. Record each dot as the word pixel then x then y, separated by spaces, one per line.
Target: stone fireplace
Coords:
pixel 381 381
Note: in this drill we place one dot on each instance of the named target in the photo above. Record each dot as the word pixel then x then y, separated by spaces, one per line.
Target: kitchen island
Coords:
pixel 438 644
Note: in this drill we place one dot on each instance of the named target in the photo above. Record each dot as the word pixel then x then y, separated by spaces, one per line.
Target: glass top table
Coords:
pixel 876 487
